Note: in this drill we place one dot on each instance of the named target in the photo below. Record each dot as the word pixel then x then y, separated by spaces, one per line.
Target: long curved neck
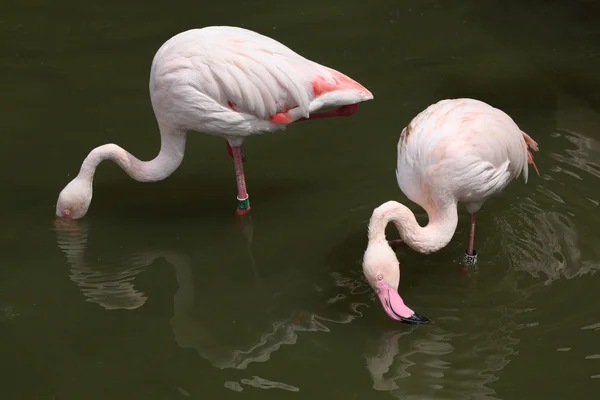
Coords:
pixel 432 237
pixel 172 148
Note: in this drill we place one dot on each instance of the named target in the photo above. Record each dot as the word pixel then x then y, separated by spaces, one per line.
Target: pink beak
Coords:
pixel 394 305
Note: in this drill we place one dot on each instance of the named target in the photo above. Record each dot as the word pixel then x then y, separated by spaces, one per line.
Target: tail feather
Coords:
pixel 533 146
pixel 322 85
pixel 530 161
pixel 330 89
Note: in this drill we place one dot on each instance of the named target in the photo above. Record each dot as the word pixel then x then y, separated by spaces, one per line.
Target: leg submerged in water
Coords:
pixel 470 258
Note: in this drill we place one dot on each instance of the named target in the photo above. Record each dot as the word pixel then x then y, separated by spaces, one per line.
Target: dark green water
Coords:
pixel 160 294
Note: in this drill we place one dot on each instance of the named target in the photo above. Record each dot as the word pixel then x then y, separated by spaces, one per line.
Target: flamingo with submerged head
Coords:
pixel 458 150
pixel 225 81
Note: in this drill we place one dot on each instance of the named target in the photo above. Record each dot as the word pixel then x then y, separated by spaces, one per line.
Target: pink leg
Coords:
pixel 243 200
pixel 230 151
pixel 471 248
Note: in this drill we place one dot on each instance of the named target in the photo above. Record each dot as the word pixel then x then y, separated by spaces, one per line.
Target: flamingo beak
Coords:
pixel 394 305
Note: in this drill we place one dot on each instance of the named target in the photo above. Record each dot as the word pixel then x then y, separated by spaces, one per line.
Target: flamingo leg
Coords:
pixel 242 196
pixel 470 257
pixel 471 248
pixel 230 151
pixel 343 111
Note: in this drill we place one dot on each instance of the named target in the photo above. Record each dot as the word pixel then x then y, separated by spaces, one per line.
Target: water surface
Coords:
pixel 160 293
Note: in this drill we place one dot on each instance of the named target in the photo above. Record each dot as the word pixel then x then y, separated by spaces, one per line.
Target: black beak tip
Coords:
pixel 415 319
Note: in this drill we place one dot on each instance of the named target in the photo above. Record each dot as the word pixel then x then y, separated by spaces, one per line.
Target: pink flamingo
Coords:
pixel 225 81
pixel 459 150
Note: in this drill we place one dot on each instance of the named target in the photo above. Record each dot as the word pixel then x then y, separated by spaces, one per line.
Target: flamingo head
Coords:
pixel 382 270
pixel 74 200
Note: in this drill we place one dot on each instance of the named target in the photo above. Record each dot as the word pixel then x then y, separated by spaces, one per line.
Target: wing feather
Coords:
pixel 240 69
pixel 297 90
pixel 286 79
pixel 267 87
pixel 249 93
pixel 258 85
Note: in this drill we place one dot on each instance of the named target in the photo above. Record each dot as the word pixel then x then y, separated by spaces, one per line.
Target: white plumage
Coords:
pixel 224 81
pixel 459 150
pixel 202 70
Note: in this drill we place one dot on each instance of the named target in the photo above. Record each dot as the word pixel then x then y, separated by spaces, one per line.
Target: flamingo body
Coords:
pixel 455 151
pixel 460 150
pixel 225 81
pixel 235 83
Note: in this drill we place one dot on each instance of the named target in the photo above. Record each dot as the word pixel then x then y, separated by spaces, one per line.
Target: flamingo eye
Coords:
pixel 379 277
pixel 67 212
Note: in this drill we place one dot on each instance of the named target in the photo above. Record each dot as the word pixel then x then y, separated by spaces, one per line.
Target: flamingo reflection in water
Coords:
pixel 235 341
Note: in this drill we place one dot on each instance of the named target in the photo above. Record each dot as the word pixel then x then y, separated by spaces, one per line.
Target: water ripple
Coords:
pixel 108 284
pixel 111 285
pixel 444 361
pixel 263 383
pixel 8 311
pixel 549 234
pixel 584 156
pixel 235 386
pixel 595 327
pixel 543 242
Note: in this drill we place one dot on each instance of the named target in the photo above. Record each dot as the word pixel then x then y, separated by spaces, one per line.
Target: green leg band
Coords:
pixel 243 203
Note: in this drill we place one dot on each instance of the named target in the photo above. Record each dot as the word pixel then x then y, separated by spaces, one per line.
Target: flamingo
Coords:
pixel 224 81
pixel 457 150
